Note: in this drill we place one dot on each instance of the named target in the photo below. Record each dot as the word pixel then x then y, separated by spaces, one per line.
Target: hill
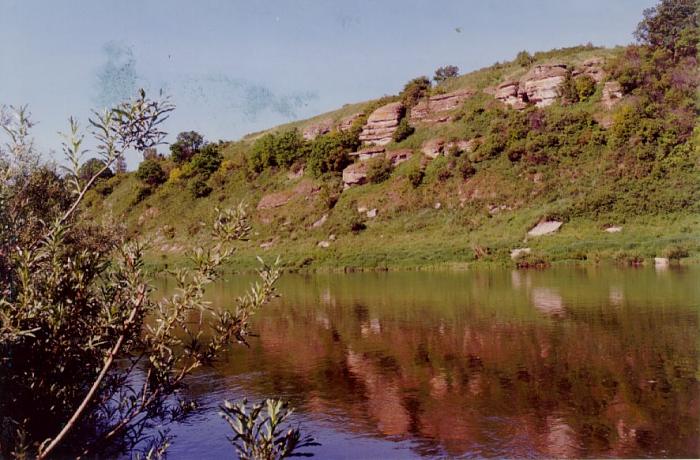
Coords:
pixel 599 143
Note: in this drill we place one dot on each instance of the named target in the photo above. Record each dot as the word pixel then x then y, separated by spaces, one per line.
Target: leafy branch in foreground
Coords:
pixel 90 362
pixel 259 430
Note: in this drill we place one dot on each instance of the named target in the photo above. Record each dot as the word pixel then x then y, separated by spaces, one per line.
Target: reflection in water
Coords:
pixel 557 363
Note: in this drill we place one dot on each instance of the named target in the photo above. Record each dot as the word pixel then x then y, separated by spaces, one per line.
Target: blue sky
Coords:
pixel 234 67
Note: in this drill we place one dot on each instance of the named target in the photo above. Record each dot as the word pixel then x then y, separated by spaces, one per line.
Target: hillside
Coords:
pixel 599 140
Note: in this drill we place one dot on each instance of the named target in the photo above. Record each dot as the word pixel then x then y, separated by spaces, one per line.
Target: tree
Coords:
pixel 206 161
pixel 523 59
pixel 445 73
pixel 74 305
pixel 92 167
pixel 185 146
pixel 151 173
pixel 672 25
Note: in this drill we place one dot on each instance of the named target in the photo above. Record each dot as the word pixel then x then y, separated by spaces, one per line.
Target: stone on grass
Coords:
pixel 545 228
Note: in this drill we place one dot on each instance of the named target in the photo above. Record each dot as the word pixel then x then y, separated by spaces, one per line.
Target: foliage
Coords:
pixel 151 173
pixel 260 433
pixel 576 89
pixel 94 166
pixel 445 73
pixel 186 145
pixel 671 25
pixel 465 167
pixel 676 252
pixel 198 187
pixel 206 161
pixel 75 296
pixel 378 169
pixel 414 91
pixel 328 154
pixel 276 149
pixel 524 59
pixel 403 130
pixel 415 176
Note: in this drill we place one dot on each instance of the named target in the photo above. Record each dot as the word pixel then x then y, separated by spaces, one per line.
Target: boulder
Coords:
pixel 461 146
pixel 613 229
pixel 517 253
pixel 427 108
pixel 433 148
pixel 355 174
pixel 372 213
pixel 541 84
pixel 399 156
pixel 545 228
pixel 320 221
pixel 368 152
pixel 612 93
pixel 324 244
pixel 317 129
pixel 382 123
pixel 508 93
pixel 592 67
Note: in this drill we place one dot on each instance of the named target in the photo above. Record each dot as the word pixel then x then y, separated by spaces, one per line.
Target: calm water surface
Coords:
pixel 580 362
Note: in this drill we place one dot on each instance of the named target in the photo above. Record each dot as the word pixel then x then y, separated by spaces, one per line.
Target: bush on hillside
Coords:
pixel 445 73
pixel 206 161
pixel 198 187
pixel 378 170
pixel 276 149
pixel 403 130
pixel 93 166
pixel 151 173
pixel 415 176
pixel 327 154
pixel 414 91
pixel 523 59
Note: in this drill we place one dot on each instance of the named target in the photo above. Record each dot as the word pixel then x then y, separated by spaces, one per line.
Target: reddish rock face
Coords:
pixel 541 84
pixel 399 156
pixel 591 67
pixel 426 109
pixel 433 148
pixel 368 152
pixel 355 174
pixel 382 123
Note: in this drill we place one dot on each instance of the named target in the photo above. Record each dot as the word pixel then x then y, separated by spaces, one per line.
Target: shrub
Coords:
pixel 531 260
pixel 523 59
pixel 585 87
pixel 175 175
pixel 198 187
pixel 403 130
pixel 466 168
pixel 445 73
pixel 276 149
pixel 675 252
pixel 142 192
pixel 415 176
pixel 378 170
pixel 414 91
pixel 206 161
pixel 150 172
pixel 327 155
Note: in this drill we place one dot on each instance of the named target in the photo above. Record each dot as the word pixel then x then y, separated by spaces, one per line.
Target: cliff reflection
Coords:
pixel 495 364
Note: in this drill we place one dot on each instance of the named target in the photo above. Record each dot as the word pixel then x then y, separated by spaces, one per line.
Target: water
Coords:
pixel 579 362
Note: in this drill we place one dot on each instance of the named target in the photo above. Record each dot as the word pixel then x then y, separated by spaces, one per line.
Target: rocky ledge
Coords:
pixel 382 123
pixel 430 109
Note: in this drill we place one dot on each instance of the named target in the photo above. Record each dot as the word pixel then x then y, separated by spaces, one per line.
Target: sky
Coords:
pixel 233 67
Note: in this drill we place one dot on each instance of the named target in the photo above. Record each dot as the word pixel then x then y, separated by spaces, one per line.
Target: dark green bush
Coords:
pixel 150 172
pixel 378 170
pixel 206 161
pixel 466 168
pixel 414 91
pixel 92 167
pixel 445 73
pixel 186 146
pixel 198 187
pixel 276 149
pixel 327 154
pixel 523 59
pixel 403 130
pixel 415 176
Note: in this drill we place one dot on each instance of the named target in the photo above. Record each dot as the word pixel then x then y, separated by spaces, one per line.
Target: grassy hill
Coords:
pixel 633 166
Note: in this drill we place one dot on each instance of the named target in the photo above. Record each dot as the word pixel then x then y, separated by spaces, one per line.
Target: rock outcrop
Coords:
pixel 305 189
pixel 368 152
pixel 311 132
pixel 545 228
pixel 346 123
pixel 592 67
pixel 382 123
pixel 430 109
pixel 540 85
pixel 612 93
pixel 355 174
pixel 508 93
pixel 399 156
pixel 433 148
